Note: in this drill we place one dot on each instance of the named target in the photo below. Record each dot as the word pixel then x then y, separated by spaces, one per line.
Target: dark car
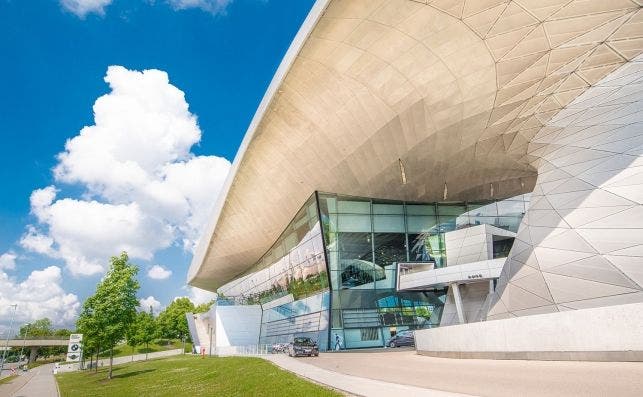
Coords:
pixel 402 338
pixel 303 347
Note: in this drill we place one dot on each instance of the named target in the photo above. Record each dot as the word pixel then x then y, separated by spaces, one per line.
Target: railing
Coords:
pixel 248 350
pixel 33 337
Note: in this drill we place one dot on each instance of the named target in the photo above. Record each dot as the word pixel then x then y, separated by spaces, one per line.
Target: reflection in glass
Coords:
pixel 362 240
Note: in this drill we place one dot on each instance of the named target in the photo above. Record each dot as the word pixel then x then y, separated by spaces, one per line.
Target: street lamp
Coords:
pixel 24 339
pixel 6 344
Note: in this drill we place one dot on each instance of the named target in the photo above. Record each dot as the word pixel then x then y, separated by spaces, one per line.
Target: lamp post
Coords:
pixel 6 344
pixel 24 340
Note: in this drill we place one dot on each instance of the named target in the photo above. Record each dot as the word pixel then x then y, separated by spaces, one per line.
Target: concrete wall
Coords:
pixel 450 274
pixel 613 333
pixel 237 325
pixel 474 296
pixel 580 244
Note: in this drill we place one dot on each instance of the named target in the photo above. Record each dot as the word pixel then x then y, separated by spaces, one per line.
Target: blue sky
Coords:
pixel 221 54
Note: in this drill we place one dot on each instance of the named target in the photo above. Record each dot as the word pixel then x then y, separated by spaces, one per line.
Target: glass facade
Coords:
pixel 366 238
pixel 331 275
pixel 290 281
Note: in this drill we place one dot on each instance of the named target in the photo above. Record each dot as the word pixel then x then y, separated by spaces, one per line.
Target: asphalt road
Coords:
pixel 489 377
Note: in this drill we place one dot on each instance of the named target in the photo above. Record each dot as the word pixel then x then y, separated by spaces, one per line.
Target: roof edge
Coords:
pixel 203 246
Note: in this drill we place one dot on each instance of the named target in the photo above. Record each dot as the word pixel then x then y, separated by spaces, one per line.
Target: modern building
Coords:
pixel 416 164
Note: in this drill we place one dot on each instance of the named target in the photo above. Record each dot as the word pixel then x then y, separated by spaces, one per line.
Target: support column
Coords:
pixel 32 354
pixel 458 302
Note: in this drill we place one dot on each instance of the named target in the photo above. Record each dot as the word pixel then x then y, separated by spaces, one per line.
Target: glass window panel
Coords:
pixel 278 251
pixel 420 209
pixel 290 241
pixel 312 212
pixel 391 209
pixel 354 223
pixel 509 223
pixel 511 208
pixel 358 299
pixel 333 259
pixel 336 318
pixel 451 209
pixel 463 221
pixel 388 223
pixel 418 224
pixel 389 248
pixel 360 274
pixel 446 223
pixel 390 280
pixel 482 209
pixel 295 256
pixel 327 204
pixel 426 247
pixel 335 281
pixel 355 246
pixel 353 207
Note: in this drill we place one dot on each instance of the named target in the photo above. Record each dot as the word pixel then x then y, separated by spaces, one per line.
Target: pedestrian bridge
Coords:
pixel 40 341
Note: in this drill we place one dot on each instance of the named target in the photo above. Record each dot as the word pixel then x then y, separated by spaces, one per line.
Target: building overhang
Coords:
pixel 402 100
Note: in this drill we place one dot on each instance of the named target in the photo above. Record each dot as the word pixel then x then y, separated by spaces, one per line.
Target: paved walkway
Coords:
pixel 351 384
pixel 481 377
pixel 38 382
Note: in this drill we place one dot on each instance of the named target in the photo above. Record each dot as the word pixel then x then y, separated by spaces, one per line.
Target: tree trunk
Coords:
pixel 111 359
pixel 147 349
pixel 97 355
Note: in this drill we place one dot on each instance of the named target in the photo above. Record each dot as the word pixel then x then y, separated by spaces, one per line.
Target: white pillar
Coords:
pixel 458 302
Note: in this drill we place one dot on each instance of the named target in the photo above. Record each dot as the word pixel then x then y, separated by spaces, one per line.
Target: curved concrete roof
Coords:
pixel 453 91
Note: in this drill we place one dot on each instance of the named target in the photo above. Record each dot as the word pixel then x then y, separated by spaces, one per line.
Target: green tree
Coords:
pixel 42 327
pixel 87 324
pixel 172 321
pixel 143 331
pixel 203 307
pixel 112 309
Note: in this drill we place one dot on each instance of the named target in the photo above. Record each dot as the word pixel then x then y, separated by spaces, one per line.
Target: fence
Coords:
pixel 248 350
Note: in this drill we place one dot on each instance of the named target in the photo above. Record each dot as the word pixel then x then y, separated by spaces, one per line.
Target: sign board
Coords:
pixel 72 357
pixel 77 338
pixel 75 348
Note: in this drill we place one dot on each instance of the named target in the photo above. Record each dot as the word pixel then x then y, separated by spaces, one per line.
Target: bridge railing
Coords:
pixel 32 337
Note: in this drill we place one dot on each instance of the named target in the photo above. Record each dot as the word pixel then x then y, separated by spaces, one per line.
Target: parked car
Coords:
pixel 402 338
pixel 302 346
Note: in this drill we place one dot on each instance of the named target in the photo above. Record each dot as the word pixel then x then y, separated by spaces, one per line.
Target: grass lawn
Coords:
pixel 156 346
pixel 191 376
pixel 8 379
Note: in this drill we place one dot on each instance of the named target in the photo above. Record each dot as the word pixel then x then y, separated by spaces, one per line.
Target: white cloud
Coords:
pixel 150 301
pixel 83 7
pixel 212 6
pixel 8 261
pixel 157 272
pixel 34 241
pixel 144 189
pixel 39 295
